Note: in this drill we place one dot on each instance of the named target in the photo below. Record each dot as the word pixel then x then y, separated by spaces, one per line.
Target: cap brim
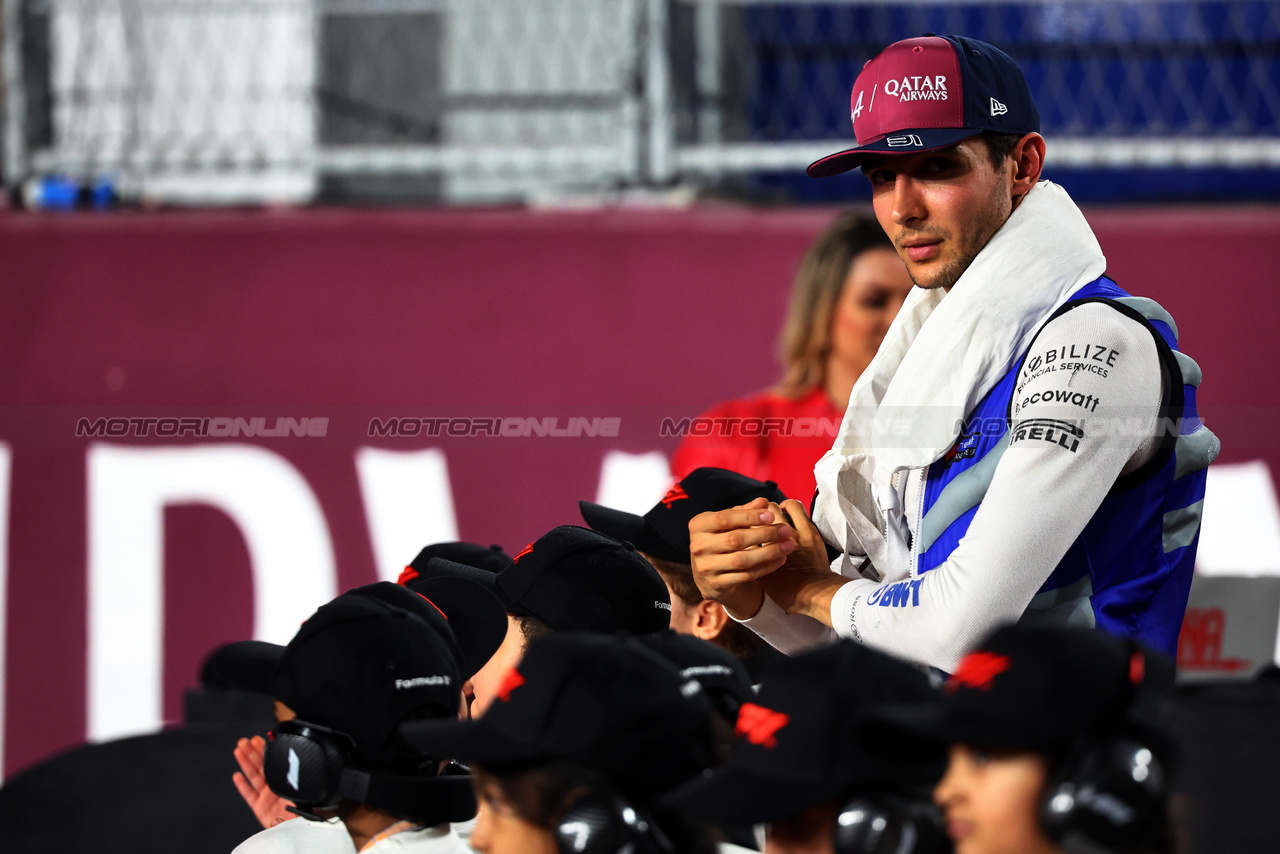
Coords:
pixel 619 524
pixel 246 665
pixel 630 528
pixel 439 567
pixel 899 142
pixel 468 741
pixel 735 795
pixel 475 614
pixel 931 725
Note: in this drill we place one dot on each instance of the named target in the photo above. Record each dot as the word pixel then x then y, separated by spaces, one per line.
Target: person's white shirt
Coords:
pixel 300 836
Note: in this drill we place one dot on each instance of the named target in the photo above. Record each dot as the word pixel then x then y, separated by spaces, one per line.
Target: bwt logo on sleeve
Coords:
pixel 898 595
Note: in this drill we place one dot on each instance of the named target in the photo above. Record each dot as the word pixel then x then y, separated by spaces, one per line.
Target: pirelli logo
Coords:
pixel 1055 432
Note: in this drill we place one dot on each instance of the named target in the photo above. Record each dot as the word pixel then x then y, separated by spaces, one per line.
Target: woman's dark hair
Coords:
pixel 542 793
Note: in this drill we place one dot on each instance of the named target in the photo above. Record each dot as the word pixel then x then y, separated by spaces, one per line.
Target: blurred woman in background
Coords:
pixel 847 291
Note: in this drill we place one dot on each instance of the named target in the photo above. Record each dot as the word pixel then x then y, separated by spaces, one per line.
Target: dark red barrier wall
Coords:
pixel 356 314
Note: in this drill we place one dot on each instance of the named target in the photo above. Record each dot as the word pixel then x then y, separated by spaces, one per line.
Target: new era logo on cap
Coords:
pixel 524 551
pixel 997 108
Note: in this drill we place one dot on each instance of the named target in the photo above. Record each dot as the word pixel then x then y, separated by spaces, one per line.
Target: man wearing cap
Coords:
pixel 662 537
pixel 1025 440
pixel 363 664
pixel 570 579
pixel 805 762
pixel 1058 740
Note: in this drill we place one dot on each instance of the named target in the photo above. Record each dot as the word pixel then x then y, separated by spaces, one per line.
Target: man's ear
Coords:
pixel 1028 163
pixel 709 619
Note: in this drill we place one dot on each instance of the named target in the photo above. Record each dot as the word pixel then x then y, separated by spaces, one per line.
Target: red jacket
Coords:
pixel 766 436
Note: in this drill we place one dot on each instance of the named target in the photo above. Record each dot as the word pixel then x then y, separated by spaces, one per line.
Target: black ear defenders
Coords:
pixel 1110 793
pixel 311 765
pixel 890 824
pixel 304 763
pixel 601 823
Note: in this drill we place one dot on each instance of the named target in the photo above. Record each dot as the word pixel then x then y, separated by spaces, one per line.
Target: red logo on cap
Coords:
pixel 759 725
pixel 674 494
pixel 976 670
pixel 407 575
pixel 524 551
pixel 1137 668
pixel 510 682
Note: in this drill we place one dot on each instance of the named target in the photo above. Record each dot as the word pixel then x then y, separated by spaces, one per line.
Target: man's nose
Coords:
pixel 908 203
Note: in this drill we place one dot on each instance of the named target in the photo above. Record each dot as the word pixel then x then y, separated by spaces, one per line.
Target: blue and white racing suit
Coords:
pixel 1073 494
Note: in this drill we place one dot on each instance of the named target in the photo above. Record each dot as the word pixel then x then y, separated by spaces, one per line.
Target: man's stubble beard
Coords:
pixel 985 225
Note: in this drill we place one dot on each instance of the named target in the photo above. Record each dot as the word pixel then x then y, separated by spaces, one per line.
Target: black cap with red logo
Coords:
pixel 801 742
pixel 1043 688
pixel 723 678
pixel 930 92
pixel 491 558
pixel 469 617
pixel 664 531
pixel 574 579
pixel 607 703
pixel 358 665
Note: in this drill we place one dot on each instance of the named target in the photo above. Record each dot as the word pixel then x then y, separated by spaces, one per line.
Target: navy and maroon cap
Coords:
pixel 664 531
pixel 575 579
pixel 930 92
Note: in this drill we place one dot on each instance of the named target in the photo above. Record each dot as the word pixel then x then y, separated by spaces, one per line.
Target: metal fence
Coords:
pixel 512 100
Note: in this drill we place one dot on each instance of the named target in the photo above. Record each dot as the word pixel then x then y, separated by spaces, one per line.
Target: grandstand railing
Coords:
pixel 504 99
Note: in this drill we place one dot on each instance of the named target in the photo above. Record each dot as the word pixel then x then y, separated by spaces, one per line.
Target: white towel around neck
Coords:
pixel 940 357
